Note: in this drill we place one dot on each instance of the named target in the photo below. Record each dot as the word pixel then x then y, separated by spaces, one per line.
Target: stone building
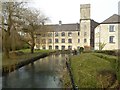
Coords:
pixel 107 33
pixel 88 33
pixel 60 37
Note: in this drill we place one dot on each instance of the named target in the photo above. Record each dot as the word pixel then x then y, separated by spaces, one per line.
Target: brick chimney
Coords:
pixel 60 22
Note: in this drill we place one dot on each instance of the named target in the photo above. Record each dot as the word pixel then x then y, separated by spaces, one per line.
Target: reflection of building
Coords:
pixel 84 34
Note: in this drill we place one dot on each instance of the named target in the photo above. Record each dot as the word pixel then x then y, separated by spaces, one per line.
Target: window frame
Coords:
pixel 57 47
pixel 69 41
pixel 50 46
pixel 62 47
pixel 78 40
pixel 49 40
pixel 56 34
pixel 111 28
pixel 111 39
pixel 85 40
pixel 62 40
pixel 57 40
pixel 63 34
pixel 69 34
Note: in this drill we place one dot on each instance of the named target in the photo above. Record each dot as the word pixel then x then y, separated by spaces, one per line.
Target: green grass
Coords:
pixel 36 51
pixel 85 68
pixel 14 59
pixel 113 61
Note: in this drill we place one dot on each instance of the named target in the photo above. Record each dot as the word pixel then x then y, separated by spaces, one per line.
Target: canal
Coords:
pixel 44 73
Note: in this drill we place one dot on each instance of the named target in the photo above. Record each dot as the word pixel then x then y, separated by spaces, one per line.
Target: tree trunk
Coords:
pixel 6 41
pixel 32 49
pixel 6 53
pixel 6 45
pixel 33 42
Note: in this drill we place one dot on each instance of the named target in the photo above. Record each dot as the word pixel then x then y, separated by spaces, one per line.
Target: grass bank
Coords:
pixel 91 71
pixel 22 55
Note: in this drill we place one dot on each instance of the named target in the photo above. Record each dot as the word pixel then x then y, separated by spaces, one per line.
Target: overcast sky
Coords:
pixel 68 11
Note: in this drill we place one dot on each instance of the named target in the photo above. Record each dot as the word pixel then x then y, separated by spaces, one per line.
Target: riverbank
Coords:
pixel 91 71
pixel 22 57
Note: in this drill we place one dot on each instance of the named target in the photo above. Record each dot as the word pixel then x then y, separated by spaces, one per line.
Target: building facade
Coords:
pixel 107 33
pixel 87 34
pixel 60 37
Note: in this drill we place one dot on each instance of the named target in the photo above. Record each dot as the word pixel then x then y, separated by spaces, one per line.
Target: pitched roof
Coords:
pixel 112 19
pixel 63 27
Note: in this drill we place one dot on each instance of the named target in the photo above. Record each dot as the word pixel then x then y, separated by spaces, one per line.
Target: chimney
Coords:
pixel 60 22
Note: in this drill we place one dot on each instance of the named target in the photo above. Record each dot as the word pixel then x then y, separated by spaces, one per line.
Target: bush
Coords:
pixel 25 46
pixel 108 52
pixel 81 49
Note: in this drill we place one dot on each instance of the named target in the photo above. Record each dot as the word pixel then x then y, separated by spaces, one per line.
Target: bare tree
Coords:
pixel 101 45
pixel 34 23
pixel 10 18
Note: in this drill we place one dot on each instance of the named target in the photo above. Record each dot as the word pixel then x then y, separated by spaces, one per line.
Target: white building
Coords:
pixel 107 33
pixel 87 34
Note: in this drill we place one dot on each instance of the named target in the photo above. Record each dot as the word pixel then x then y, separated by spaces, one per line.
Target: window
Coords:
pixel 63 47
pixel 85 40
pixel 85 33
pixel 69 34
pixel 111 28
pixel 56 41
pixel 78 33
pixel 49 40
pixel 50 47
pixel 43 47
pixel 63 34
pixel 111 39
pixel 70 47
pixel 43 41
pixel 78 40
pixel 56 47
pixel 49 34
pixel 63 41
pixel 69 40
pixel 43 35
pixel 56 34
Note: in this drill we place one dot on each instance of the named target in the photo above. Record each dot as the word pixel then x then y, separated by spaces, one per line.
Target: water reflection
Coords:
pixel 44 73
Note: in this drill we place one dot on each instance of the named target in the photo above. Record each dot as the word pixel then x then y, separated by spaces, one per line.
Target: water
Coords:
pixel 44 73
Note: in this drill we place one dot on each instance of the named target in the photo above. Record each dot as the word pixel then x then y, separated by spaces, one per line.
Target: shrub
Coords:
pixel 81 49
pixel 108 52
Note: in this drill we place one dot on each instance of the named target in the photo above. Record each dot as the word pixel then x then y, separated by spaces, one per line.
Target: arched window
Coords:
pixel 63 47
pixel 69 40
pixel 69 34
pixel 50 47
pixel 56 47
pixel 49 40
pixel 56 34
pixel 43 47
pixel 63 34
